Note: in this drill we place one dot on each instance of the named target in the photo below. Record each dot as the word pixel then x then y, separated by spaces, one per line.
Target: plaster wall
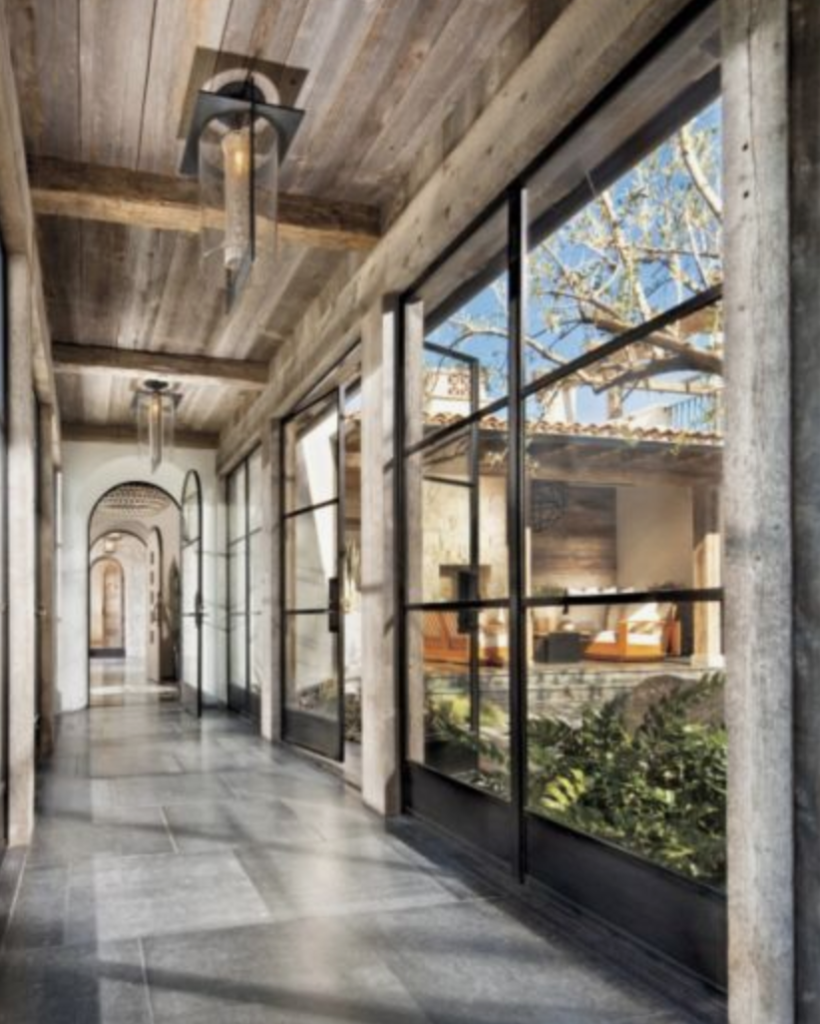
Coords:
pixel 655 536
pixel 89 470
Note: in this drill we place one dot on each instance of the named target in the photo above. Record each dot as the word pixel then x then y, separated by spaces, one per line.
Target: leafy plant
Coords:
pixel 658 790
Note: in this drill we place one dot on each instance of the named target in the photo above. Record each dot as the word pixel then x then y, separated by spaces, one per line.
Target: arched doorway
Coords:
pixel 134 554
pixel 107 608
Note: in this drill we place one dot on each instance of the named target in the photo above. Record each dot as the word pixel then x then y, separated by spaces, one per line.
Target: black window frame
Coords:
pixel 455 806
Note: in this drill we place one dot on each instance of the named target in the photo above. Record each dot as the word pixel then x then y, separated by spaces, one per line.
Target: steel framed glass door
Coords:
pixel 313 519
pixel 191 587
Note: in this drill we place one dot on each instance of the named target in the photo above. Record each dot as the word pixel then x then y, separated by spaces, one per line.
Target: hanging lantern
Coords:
pixel 156 414
pixel 235 145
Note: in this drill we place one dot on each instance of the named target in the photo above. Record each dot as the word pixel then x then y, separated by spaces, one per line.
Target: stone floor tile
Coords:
pixel 303 972
pixel 215 825
pixel 136 896
pixel 354 874
pixel 75 837
pixel 77 985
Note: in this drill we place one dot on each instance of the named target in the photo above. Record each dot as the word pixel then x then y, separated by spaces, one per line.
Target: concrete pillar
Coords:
pixel 46 522
pixel 22 567
pixel 757 512
pixel 380 746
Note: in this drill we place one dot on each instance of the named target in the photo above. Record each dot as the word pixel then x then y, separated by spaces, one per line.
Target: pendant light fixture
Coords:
pixel 236 142
pixel 155 406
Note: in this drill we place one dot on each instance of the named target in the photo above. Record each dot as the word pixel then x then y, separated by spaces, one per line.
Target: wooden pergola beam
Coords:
pixel 116 195
pixel 100 360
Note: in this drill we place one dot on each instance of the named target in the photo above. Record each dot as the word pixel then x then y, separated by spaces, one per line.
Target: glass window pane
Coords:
pixel 237 566
pixel 238 650
pixel 457 515
pixel 627 732
pixel 311 671
pixel 237 525
pixel 312 455
pixel 458 695
pixel 638 247
pixel 256 619
pixel 312 557
pixel 458 334
pixel 255 490
pixel 624 464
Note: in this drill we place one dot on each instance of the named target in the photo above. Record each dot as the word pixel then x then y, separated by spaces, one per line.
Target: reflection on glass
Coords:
pixel 237 561
pixel 312 456
pixel 623 482
pixel 255 613
pixel 312 683
pixel 189 582
pixel 458 334
pixel 238 651
pixel 237 525
pixel 351 589
pixel 312 557
pixel 458 540
pixel 255 491
pixel 626 731
pixel 645 244
pixel 458 688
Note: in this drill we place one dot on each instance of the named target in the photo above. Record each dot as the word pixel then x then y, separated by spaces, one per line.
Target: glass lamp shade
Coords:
pixel 156 413
pixel 238 179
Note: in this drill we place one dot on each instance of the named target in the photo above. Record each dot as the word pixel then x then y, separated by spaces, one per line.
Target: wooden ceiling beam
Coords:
pixel 106 361
pixel 116 195
pixel 123 433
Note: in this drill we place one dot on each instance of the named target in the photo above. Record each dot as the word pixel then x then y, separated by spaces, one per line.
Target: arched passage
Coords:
pixel 133 555
pixel 107 608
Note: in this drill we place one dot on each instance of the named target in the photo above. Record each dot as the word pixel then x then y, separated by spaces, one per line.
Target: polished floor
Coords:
pixel 194 874
pixel 114 682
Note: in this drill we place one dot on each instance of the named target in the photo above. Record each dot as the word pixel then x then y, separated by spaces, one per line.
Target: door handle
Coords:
pixel 333 604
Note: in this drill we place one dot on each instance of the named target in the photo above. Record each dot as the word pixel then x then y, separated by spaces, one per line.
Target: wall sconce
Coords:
pixel 155 407
pixel 235 144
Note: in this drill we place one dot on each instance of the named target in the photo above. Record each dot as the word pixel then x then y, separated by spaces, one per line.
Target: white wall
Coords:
pixel 89 470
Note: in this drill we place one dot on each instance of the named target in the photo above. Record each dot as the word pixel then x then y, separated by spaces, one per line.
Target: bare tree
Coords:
pixel 645 244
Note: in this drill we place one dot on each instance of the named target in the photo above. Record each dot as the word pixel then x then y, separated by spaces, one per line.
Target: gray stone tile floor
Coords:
pixel 190 872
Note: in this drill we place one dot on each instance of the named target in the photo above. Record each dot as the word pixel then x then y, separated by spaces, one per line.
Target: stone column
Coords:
pixel 380 747
pixel 22 562
pixel 757 512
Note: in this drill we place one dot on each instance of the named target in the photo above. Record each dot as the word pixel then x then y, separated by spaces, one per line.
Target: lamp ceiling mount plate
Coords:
pixel 236 98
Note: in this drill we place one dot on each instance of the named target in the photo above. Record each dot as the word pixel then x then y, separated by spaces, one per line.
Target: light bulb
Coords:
pixel 236 152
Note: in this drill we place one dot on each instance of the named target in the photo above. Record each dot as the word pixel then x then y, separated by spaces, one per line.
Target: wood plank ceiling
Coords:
pixel 391 85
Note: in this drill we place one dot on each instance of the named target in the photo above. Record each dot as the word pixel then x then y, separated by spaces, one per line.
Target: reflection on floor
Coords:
pixel 118 681
pixel 186 872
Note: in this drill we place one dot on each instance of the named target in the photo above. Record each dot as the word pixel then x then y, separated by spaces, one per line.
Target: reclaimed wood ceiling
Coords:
pixel 391 86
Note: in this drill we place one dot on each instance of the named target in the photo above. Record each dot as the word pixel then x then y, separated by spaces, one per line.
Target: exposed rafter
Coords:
pixel 116 195
pixel 201 370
